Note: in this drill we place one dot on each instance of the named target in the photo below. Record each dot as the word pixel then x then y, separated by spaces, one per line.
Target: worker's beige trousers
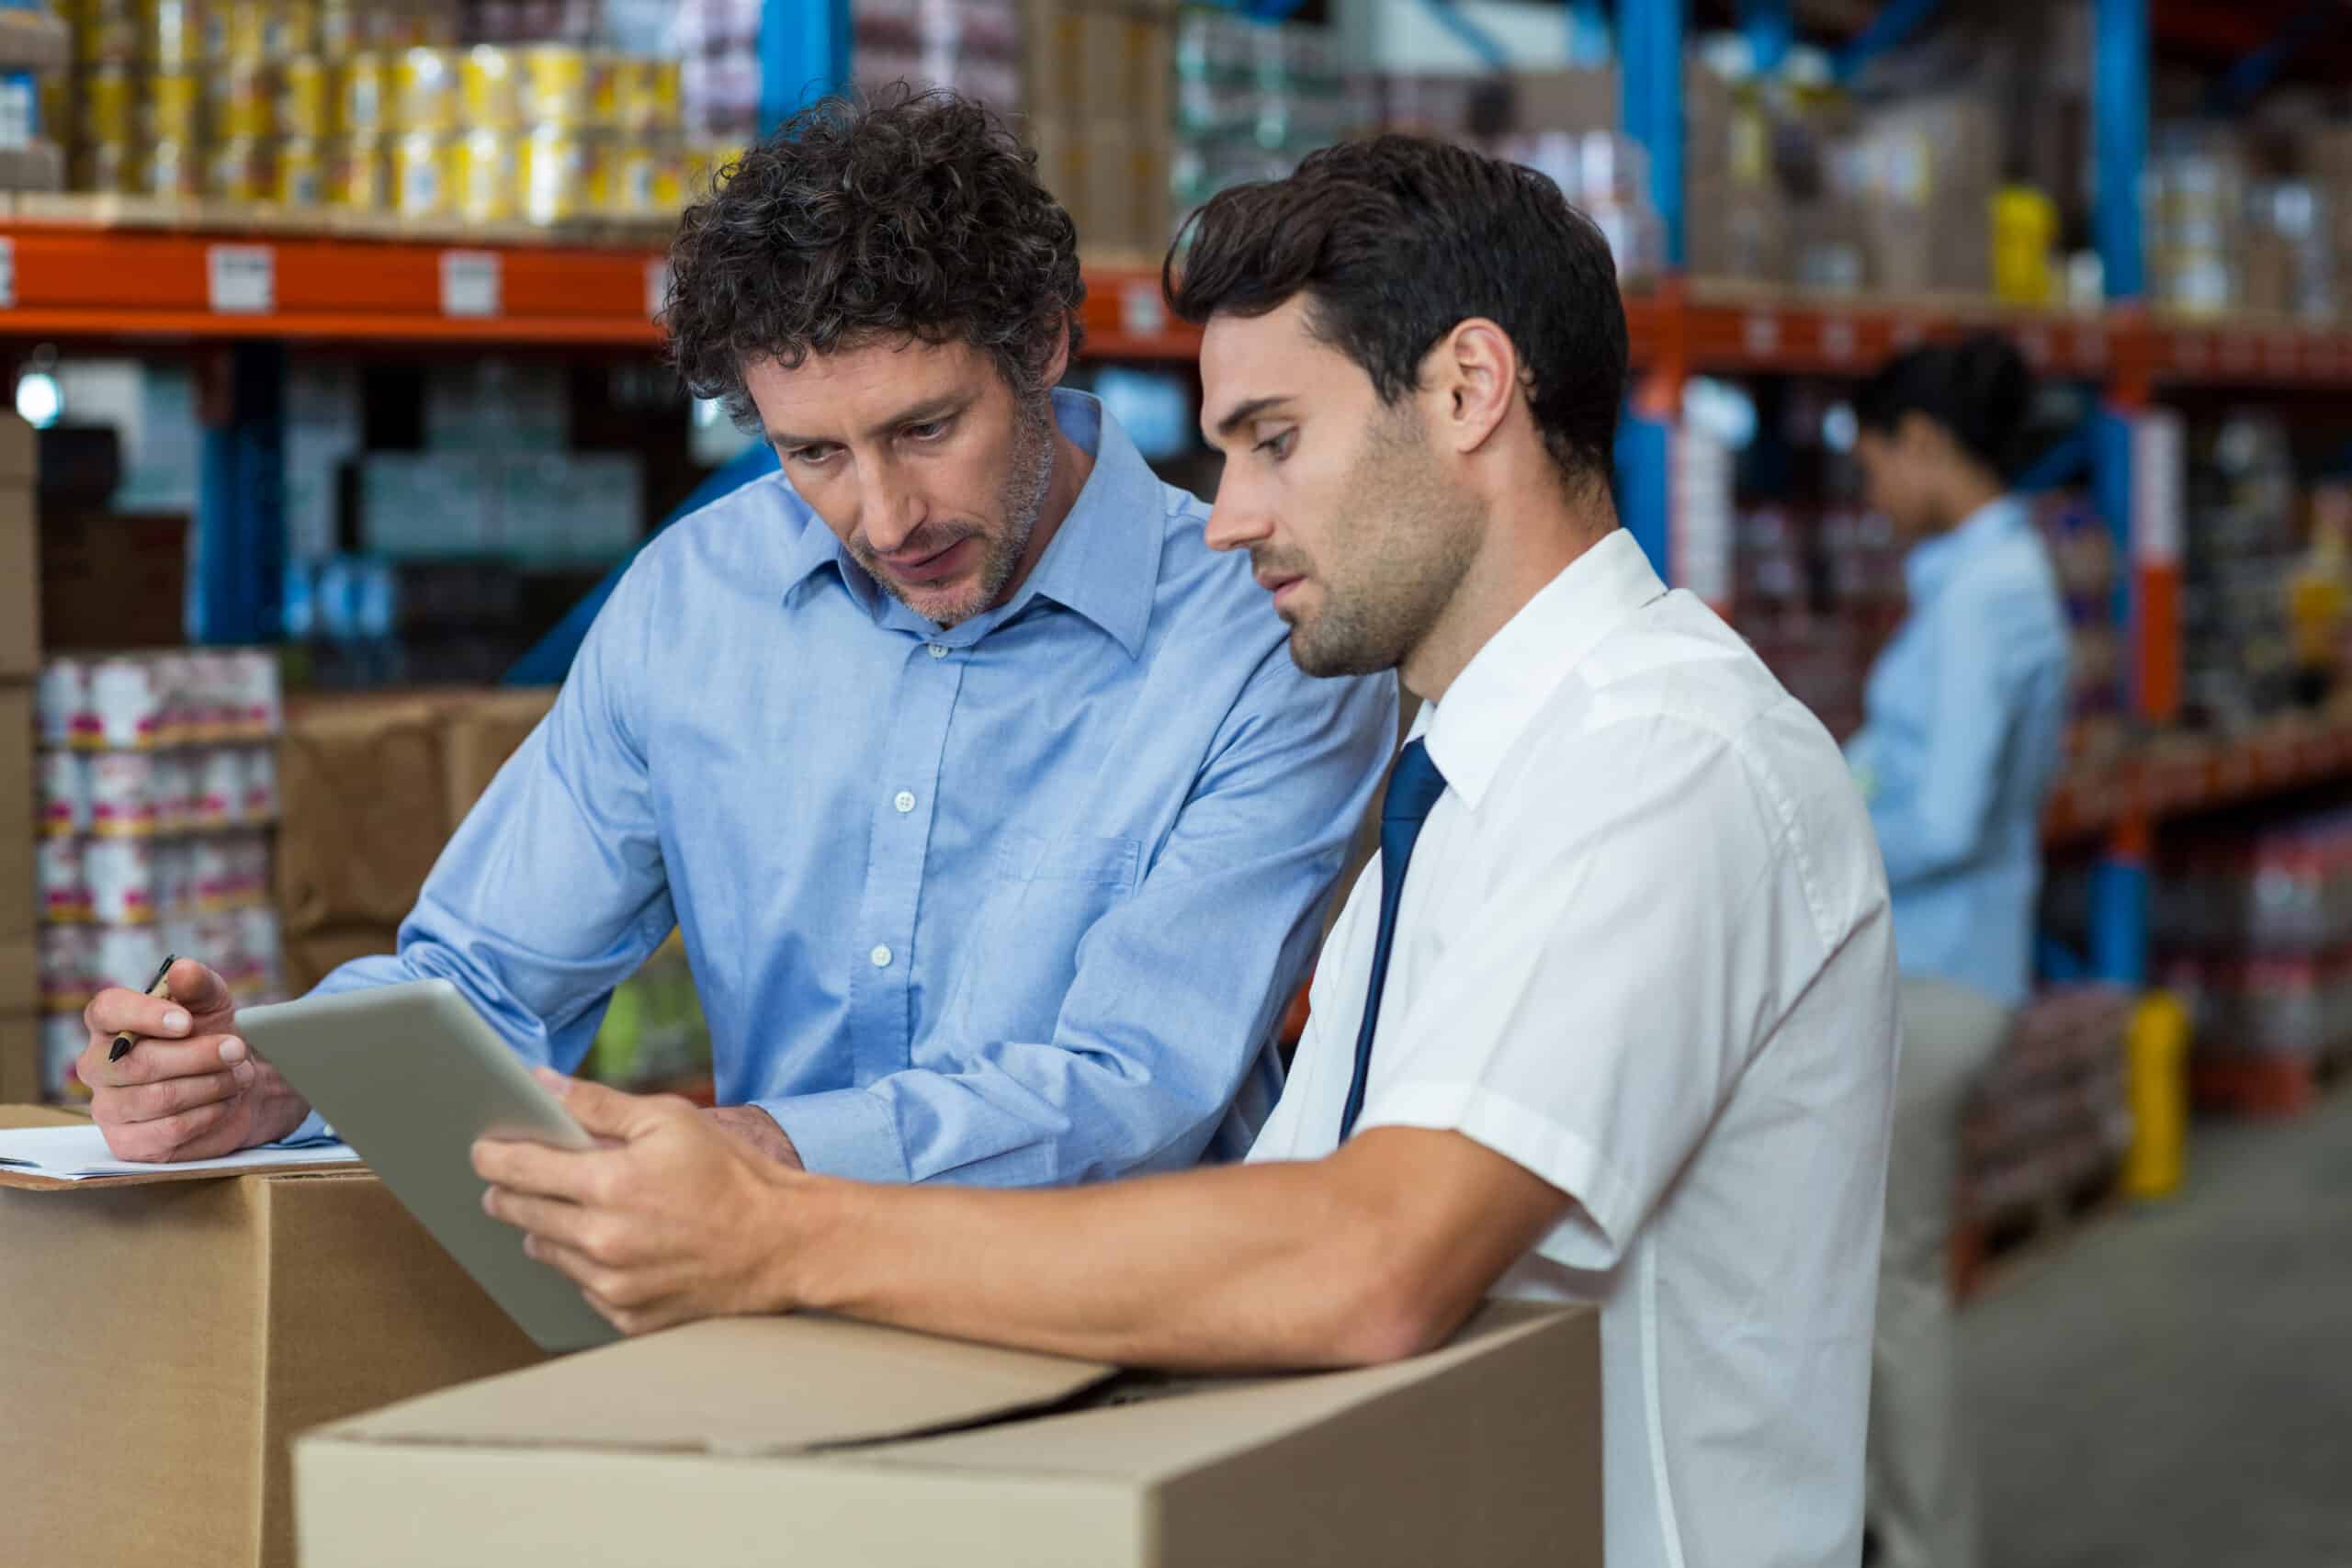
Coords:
pixel 1922 1480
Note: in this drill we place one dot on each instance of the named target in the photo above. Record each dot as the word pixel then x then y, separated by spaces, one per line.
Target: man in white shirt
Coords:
pixel 1626 948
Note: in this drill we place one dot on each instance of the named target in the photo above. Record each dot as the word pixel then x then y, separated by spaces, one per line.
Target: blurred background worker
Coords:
pixel 1964 722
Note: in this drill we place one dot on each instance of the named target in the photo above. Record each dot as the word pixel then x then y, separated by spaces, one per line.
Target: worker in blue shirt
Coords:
pixel 995 816
pixel 1963 723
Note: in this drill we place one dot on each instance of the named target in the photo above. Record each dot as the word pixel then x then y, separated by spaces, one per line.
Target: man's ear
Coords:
pixel 1057 363
pixel 1469 381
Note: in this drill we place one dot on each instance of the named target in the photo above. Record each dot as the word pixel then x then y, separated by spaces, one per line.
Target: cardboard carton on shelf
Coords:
pixel 174 1334
pixel 728 1441
pixel 20 1064
pixel 18 896
pixel 19 550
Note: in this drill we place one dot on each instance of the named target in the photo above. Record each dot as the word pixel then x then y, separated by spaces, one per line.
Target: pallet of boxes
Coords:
pixel 1097 82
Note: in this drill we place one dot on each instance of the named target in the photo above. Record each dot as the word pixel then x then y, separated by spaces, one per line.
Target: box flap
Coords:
pixel 741 1386
pixel 1150 1434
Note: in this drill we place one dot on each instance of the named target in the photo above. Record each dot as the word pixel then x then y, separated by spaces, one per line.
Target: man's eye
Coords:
pixel 929 429
pixel 810 454
pixel 1278 446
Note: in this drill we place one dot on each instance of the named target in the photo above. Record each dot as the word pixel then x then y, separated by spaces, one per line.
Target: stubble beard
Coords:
pixel 1412 541
pixel 1021 501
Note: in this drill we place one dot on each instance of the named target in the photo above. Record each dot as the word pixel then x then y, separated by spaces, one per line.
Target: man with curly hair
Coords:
pixel 997 823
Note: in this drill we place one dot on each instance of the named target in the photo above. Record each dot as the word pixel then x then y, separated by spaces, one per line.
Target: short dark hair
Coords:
pixel 1396 239
pixel 1978 389
pixel 909 215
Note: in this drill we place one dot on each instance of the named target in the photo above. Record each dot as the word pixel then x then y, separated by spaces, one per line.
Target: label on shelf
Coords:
pixel 1760 334
pixel 2157 461
pixel 1838 339
pixel 242 279
pixel 657 286
pixel 1700 516
pixel 7 273
pixel 469 283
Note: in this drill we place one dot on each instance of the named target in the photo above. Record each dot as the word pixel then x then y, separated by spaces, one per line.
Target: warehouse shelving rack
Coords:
pixel 250 289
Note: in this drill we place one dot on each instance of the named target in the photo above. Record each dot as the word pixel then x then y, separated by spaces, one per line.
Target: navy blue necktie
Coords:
pixel 1413 788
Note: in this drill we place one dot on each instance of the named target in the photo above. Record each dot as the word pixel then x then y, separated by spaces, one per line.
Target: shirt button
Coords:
pixel 881 956
pixel 905 801
pixel 937 651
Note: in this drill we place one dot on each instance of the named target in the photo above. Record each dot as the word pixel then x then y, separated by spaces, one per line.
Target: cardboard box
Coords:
pixel 483 729
pixel 19 581
pixel 19 893
pixel 370 788
pixel 163 1338
pixel 21 1064
pixel 362 816
pixel 93 564
pixel 730 1443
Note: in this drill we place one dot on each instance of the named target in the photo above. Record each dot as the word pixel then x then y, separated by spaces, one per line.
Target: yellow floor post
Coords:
pixel 2155 1053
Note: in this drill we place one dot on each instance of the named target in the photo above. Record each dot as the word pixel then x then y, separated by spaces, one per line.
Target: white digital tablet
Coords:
pixel 410 1075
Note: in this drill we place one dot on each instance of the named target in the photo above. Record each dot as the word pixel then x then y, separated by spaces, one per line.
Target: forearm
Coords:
pixel 1243 1266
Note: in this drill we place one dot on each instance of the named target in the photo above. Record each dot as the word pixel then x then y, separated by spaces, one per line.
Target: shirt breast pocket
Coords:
pixel 1045 895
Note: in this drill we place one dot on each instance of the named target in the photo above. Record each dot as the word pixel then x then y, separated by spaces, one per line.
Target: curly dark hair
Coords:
pixel 908 214
pixel 1395 240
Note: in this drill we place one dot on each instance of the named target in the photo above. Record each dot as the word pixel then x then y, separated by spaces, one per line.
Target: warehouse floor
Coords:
pixel 2172 1385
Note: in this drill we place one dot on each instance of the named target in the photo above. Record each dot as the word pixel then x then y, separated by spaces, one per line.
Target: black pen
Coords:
pixel 155 988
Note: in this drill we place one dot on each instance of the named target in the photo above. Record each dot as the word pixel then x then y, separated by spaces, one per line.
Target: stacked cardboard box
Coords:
pixel 371 789
pixel 1928 169
pixel 1097 79
pixel 1736 220
pixel 19 664
pixel 2051 1115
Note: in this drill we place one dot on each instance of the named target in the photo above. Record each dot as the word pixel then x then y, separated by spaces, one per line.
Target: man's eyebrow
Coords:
pixel 919 413
pixel 1247 412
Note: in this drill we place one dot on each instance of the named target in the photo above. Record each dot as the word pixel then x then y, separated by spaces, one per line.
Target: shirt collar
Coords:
pixel 1103 562
pixel 1497 694
pixel 1931 562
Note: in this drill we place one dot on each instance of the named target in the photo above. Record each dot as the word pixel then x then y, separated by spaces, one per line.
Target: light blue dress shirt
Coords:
pixel 1019 902
pixel 1964 719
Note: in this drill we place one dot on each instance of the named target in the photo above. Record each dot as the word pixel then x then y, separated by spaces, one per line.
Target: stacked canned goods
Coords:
pixel 228 98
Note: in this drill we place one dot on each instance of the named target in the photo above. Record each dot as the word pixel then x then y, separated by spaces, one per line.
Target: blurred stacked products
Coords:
pixel 2082 552
pixel 1817 593
pixel 1096 83
pixel 972 47
pixel 434 565
pixel 157 785
pixel 653 1033
pixel 1251 100
pixel 2253 929
pixel 21 643
pixel 2051 1116
pixel 369 108
pixel 2245 548
pixel 35 51
pixel 2233 223
pixel 1604 174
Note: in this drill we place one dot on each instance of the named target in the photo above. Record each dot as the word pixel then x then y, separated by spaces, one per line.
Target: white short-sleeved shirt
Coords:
pixel 1645 952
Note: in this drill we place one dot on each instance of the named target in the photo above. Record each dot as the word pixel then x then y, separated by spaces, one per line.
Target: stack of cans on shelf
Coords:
pixel 157 788
pixel 2051 1116
pixel 370 108
pixel 2253 933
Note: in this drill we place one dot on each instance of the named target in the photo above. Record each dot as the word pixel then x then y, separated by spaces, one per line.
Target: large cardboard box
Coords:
pixel 163 1338
pixel 362 813
pixel 21 1064
pixel 483 729
pixel 19 894
pixel 758 1441
pixel 93 564
pixel 20 579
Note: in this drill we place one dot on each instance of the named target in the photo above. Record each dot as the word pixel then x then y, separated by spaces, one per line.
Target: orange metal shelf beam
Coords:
pixel 117 283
